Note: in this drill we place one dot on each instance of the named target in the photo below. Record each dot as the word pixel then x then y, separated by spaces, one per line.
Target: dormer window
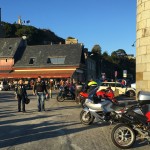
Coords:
pixel 56 60
pixel 32 61
pixel 49 60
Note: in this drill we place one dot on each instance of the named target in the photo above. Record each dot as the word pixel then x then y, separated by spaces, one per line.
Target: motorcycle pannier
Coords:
pixel 144 97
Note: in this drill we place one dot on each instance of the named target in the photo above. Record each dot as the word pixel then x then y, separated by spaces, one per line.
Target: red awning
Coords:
pixel 43 74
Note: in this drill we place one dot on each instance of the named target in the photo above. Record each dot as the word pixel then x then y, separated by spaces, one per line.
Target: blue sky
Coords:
pixel 109 23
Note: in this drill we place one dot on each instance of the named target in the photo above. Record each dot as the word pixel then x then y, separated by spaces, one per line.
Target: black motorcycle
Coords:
pixel 134 122
pixel 65 93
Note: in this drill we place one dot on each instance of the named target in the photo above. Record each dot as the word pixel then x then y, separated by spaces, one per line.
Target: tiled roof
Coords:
pixel 8 46
pixel 71 52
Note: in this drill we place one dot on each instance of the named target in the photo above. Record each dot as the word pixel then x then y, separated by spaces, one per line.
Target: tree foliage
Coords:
pixel 117 61
pixel 119 52
pixel 96 49
pixel 34 35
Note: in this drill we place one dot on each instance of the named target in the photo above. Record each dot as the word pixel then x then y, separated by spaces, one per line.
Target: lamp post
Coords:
pixel 133 45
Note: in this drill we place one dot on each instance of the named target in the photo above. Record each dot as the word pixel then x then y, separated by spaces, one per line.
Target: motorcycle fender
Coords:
pixel 86 109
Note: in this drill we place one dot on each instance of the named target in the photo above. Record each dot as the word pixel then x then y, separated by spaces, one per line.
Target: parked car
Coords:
pixel 4 86
pixel 123 90
pixel 133 85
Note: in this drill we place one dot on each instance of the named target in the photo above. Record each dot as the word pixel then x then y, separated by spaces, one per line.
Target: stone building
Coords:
pixel 143 45
pixel 18 60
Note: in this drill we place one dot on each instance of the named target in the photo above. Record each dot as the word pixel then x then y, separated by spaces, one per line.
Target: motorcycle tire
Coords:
pixel 86 118
pixel 60 98
pixel 123 136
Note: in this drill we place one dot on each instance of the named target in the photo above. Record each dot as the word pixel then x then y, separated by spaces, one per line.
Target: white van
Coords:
pixel 4 86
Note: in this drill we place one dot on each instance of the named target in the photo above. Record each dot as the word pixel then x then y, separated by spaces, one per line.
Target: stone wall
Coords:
pixel 143 45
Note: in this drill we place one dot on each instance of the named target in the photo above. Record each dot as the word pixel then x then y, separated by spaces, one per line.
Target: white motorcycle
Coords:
pixel 104 110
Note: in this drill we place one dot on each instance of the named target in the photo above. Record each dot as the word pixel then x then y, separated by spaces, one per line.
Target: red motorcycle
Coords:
pixel 102 94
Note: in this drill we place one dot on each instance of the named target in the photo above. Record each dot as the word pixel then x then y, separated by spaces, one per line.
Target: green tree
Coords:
pixel 34 35
pixel 96 49
pixel 105 54
pixel 119 53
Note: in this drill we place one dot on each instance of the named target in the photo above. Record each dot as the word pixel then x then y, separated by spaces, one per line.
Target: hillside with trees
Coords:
pixel 34 36
pixel 117 61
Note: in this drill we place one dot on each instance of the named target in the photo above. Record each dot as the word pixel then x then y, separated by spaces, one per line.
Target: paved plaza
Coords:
pixel 58 128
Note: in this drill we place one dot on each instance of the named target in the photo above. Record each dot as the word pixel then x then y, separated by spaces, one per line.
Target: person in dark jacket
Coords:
pixel 78 89
pixel 39 89
pixel 21 95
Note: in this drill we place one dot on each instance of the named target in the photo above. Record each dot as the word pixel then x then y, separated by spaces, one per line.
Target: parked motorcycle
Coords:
pixel 65 93
pixel 135 122
pixel 102 94
pixel 103 110
pixel 82 97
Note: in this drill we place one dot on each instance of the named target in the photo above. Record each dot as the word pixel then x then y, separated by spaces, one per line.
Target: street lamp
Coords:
pixel 133 45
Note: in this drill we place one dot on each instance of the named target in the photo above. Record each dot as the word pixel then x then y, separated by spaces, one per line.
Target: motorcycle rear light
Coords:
pixel 148 116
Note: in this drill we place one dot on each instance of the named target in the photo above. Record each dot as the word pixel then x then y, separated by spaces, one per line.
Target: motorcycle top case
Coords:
pixel 144 97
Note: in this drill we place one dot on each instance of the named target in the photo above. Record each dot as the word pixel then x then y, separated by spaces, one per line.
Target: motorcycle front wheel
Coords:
pixel 60 97
pixel 123 136
pixel 86 117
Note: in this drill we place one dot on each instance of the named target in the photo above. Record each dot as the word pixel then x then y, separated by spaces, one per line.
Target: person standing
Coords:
pixel 38 89
pixel 21 95
pixel 51 85
pixel 78 89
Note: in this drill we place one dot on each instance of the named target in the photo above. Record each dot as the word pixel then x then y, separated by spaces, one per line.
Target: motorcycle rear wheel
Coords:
pixel 86 117
pixel 60 98
pixel 123 136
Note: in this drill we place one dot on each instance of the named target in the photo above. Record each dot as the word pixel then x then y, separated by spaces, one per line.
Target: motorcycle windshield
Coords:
pixel 92 93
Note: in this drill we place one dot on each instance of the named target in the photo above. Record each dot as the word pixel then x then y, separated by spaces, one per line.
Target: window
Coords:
pixel 118 85
pixel 56 60
pixel 32 61
pixel 48 60
pixel 104 84
pixel 113 84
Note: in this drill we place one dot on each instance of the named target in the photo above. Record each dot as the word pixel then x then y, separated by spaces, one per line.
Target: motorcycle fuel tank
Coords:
pixel 144 97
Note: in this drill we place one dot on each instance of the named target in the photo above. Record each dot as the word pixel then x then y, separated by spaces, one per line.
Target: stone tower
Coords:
pixel 143 46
